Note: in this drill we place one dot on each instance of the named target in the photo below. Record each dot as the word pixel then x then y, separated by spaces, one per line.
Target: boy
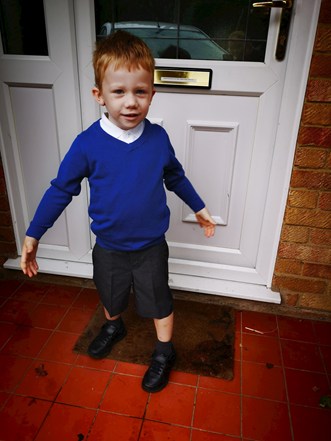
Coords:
pixel 127 160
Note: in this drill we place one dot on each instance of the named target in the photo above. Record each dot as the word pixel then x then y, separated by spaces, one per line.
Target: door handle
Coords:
pixel 285 21
pixel 285 4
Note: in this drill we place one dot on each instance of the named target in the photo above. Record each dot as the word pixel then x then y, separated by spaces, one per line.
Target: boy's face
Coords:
pixel 126 94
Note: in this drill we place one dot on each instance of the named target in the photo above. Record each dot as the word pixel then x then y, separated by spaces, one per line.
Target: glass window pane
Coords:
pixel 138 13
pixel 237 27
pixel 196 29
pixel 22 25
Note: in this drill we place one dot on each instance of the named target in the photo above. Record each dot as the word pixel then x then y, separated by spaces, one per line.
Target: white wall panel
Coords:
pixel 38 153
pixel 216 140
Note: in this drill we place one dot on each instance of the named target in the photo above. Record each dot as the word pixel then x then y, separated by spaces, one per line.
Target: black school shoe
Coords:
pixel 157 375
pixel 109 334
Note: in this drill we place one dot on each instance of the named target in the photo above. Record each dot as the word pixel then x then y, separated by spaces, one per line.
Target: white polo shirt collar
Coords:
pixel 126 136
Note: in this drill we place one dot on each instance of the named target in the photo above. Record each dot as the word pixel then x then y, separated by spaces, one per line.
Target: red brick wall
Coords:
pixel 303 267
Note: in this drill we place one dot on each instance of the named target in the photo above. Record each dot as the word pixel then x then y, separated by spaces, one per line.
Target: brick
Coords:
pixel 315 270
pixel 8 249
pixel 320 237
pixel 5 219
pixel 303 198
pixel 292 233
pixel 288 266
pixel 298 284
pixel 317 136
pixel 6 234
pixel 316 114
pixel 310 218
pixel 328 162
pixel 289 299
pixel 3 188
pixel 307 179
pixel 310 157
pixel 323 38
pixel 319 90
pixel 320 65
pixel 322 302
pixel 304 253
pixel 325 12
pixel 4 204
pixel 324 202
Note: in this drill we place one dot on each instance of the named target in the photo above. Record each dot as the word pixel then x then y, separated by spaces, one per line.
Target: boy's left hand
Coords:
pixel 206 222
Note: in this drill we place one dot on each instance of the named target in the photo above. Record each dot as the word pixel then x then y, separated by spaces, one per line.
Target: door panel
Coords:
pixel 216 155
pixel 41 118
pixel 30 145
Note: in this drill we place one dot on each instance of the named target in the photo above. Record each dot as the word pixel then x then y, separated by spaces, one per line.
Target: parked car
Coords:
pixel 167 41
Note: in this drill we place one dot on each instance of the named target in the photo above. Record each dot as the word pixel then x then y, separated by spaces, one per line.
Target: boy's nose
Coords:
pixel 131 100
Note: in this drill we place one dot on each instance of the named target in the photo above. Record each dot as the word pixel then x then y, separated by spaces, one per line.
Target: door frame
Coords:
pixel 297 71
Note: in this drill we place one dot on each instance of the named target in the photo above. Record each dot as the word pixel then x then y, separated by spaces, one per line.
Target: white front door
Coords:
pixel 235 140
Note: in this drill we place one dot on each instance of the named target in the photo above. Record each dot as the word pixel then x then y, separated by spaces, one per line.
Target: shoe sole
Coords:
pixel 154 390
pixel 106 353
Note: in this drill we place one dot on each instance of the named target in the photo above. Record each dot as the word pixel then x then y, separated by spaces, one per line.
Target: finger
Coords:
pixel 30 268
pixel 209 231
pixel 32 271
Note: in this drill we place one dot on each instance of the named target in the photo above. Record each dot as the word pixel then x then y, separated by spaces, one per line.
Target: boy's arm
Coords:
pixel 29 263
pixel 206 222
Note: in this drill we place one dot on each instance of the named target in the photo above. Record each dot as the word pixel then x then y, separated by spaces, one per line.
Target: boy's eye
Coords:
pixel 118 91
pixel 141 92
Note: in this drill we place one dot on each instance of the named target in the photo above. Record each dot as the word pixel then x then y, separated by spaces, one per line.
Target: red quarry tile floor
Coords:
pixel 48 392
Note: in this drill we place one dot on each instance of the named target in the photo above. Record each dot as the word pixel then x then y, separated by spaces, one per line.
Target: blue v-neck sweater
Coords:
pixel 128 204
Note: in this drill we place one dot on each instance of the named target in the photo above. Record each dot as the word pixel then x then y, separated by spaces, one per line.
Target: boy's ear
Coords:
pixel 98 96
pixel 153 93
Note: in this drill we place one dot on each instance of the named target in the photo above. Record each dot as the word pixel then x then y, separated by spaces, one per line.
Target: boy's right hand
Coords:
pixel 29 263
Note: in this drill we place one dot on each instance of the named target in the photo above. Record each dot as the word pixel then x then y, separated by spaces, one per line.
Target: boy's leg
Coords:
pixel 157 375
pixel 108 317
pixel 164 328
pixel 154 300
pixel 112 277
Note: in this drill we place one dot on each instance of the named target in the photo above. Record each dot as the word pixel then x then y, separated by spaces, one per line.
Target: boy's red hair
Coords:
pixel 121 49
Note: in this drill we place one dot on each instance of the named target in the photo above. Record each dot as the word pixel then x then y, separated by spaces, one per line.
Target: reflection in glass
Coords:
pixel 22 25
pixel 197 29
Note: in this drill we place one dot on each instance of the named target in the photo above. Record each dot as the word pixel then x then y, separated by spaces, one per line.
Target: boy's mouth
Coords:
pixel 130 115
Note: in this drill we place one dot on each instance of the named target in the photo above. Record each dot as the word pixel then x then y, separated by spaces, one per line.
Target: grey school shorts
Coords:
pixel 145 271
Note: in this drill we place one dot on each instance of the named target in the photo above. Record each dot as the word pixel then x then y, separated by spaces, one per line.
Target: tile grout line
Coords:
pixel 319 345
pixel 285 382
pixel 35 359
pixel 97 410
pixel 194 406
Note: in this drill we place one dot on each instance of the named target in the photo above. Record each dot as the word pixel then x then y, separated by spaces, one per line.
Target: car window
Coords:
pixel 168 42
